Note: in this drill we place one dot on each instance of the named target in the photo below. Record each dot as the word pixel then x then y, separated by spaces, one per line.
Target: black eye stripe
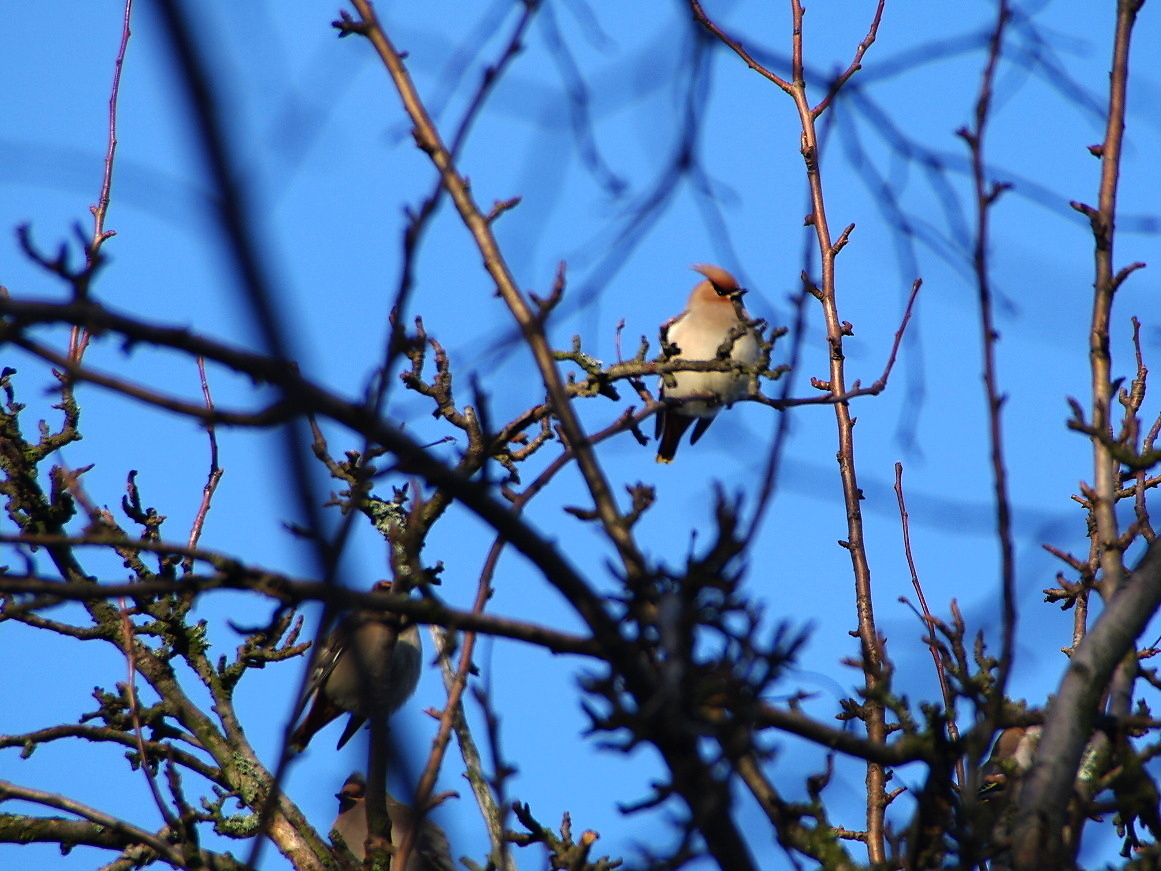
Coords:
pixel 727 291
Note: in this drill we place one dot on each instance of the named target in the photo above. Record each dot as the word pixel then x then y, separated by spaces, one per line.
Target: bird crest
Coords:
pixel 724 283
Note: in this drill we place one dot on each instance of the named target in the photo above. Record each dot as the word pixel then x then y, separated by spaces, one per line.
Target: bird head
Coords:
pixel 722 283
pixel 352 793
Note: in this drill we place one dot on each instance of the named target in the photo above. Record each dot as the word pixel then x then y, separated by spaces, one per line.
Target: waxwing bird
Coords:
pixel 1010 760
pixel 352 674
pixel 710 320
pixel 430 849
pixel 1001 782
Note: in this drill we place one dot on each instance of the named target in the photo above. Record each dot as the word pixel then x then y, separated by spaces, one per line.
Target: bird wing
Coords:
pixel 666 343
pixel 330 651
pixel 320 709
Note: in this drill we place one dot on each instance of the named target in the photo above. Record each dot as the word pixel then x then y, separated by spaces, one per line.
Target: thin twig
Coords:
pixel 856 63
pixel 986 196
pixel 704 20
pixel 928 621
pixel 128 645
pixel 216 472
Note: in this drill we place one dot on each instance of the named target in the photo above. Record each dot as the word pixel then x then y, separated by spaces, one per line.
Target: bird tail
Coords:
pixel 352 727
pixel 673 427
pixel 321 713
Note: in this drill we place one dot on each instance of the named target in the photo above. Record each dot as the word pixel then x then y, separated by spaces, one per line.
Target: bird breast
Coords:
pixel 703 344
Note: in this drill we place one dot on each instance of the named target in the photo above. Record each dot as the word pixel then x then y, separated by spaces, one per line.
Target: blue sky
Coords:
pixel 330 166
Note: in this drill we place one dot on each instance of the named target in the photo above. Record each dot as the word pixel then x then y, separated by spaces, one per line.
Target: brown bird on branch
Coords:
pixel 430 850
pixel 709 323
pixel 359 671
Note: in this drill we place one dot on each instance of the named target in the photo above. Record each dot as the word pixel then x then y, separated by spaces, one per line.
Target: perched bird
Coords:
pixel 430 851
pixel 1001 783
pixel 709 321
pixel 1010 760
pixel 351 673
